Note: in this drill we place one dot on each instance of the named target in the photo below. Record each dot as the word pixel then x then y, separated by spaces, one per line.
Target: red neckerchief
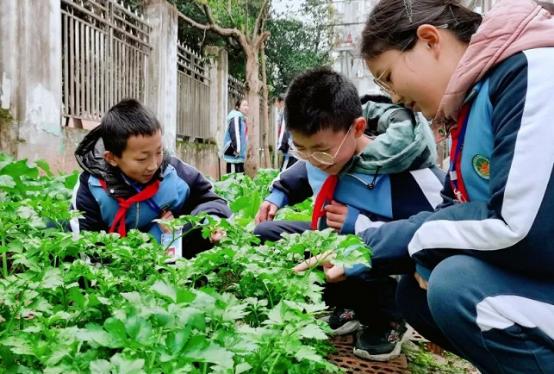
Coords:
pixel 125 204
pixel 455 171
pixel 324 197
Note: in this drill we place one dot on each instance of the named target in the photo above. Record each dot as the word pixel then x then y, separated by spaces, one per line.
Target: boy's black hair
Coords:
pixel 321 99
pixel 125 119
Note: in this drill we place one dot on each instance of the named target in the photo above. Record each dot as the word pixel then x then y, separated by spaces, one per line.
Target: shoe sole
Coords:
pixel 384 357
pixel 348 328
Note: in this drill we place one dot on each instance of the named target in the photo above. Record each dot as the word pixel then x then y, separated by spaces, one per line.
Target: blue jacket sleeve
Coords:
pixel 85 202
pixel 389 244
pixel 513 227
pixel 201 198
pixel 291 186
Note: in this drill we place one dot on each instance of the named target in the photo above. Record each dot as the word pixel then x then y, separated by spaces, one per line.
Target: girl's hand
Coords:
pixel 334 273
pixel 322 259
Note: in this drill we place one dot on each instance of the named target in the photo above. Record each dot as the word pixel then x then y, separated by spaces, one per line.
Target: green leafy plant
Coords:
pixel 103 304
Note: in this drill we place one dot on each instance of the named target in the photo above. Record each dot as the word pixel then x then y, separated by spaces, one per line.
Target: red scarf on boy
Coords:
pixel 124 205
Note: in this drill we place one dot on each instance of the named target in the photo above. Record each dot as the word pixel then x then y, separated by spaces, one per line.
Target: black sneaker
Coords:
pixel 343 321
pixel 382 345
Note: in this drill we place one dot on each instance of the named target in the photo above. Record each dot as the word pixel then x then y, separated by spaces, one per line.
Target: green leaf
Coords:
pixel 275 314
pixel 308 353
pixel 71 180
pixel 116 329
pixel 44 166
pixel 164 289
pixel 6 181
pixel 123 365
pixel 100 367
pixel 312 331
pixel 18 345
pixel 95 334
pixel 20 169
pixel 52 278
pixel 58 355
pixel 185 296
pixel 213 353
pixel 242 368
pixel 139 329
pixel 175 341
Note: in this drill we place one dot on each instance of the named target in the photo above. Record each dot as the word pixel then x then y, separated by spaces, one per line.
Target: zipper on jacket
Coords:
pixel 370 185
pixel 137 216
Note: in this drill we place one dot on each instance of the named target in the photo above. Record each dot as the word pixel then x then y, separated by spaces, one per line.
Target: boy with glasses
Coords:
pixel 359 182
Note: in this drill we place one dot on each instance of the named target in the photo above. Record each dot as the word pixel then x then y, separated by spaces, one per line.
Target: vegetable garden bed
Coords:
pixel 103 304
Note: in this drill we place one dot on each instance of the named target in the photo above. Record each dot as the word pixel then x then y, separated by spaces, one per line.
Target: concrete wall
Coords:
pixel 204 157
pixel 30 71
pixel 161 67
pixel 31 86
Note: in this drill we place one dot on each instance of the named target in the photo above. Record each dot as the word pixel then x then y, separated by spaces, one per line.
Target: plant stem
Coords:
pixel 4 257
pixel 268 295
pixel 274 363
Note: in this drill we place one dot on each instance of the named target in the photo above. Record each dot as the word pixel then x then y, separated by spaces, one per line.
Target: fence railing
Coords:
pixel 193 98
pixel 104 50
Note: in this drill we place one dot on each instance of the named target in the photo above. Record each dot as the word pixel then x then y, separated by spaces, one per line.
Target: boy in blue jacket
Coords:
pixel 359 182
pixel 128 182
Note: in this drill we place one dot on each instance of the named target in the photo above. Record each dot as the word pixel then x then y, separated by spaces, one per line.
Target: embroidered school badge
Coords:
pixel 481 165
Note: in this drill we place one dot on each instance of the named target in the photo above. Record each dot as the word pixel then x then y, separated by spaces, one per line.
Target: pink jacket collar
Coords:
pixel 512 26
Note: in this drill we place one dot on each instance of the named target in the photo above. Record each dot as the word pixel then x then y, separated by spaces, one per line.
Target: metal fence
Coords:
pixel 193 97
pixel 104 49
pixel 235 91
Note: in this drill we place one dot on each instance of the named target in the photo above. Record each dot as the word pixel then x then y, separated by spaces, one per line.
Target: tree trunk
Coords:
pixel 252 94
pixel 265 112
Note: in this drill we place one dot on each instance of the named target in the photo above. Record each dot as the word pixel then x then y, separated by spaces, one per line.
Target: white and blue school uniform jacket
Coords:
pixel 183 190
pixel 508 220
pixel 234 140
pixel 372 199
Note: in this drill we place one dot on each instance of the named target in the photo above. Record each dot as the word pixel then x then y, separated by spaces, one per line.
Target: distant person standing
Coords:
pixel 235 140
pixel 283 135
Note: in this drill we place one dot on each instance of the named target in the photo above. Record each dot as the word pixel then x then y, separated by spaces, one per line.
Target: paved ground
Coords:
pixel 351 364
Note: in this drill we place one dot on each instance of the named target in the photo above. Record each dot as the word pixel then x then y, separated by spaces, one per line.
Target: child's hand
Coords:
pixel 321 259
pixel 217 235
pixel 333 273
pixel 166 216
pixel 336 215
pixel 266 212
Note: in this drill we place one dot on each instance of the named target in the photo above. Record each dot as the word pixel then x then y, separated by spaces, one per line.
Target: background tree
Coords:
pixel 231 19
pixel 300 39
pixel 298 43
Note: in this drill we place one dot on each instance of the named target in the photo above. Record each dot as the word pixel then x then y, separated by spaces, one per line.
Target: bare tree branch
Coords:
pixel 208 13
pixel 213 26
pixel 260 19
pixel 258 44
